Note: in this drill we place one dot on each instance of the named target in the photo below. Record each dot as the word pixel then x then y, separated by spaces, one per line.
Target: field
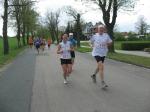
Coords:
pixel 14 50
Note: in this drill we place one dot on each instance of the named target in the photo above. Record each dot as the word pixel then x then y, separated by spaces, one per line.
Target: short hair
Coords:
pixel 70 33
pixel 101 26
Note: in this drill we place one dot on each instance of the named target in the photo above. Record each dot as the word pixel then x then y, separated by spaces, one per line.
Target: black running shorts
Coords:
pixel 72 54
pixel 99 58
pixel 65 61
pixel 37 46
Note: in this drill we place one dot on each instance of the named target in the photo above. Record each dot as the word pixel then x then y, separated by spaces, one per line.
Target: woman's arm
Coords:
pixel 59 49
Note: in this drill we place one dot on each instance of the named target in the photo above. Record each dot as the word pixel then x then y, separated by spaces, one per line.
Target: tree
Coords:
pixel 77 18
pixel 43 31
pixel 142 26
pixel 109 10
pixel 69 28
pixel 31 22
pixel 78 30
pixel 21 10
pixel 5 21
pixel 52 20
pixel 8 4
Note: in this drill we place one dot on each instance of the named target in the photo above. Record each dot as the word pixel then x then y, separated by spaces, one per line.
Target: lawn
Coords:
pixel 132 59
pixel 14 50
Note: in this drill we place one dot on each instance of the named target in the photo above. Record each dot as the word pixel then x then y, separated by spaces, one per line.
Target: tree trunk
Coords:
pixel 5 20
pixel 78 27
pixel 18 35
pixel 27 36
pixel 111 34
pixel 23 35
pixel 57 35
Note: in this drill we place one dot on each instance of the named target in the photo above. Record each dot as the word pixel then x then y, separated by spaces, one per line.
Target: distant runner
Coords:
pixel 30 41
pixel 37 44
pixel 49 42
pixel 73 43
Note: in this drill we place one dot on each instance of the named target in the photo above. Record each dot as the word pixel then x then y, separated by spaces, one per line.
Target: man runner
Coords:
pixel 100 42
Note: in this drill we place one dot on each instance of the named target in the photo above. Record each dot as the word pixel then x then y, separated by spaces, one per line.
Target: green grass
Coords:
pixel 14 50
pixel 117 44
pixel 84 49
pixel 85 43
pixel 132 59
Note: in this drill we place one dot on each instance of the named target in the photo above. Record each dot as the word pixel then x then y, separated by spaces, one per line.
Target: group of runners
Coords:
pixel 39 43
pixel 99 43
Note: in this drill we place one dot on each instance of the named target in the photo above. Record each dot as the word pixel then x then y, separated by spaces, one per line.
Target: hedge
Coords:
pixel 147 49
pixel 135 45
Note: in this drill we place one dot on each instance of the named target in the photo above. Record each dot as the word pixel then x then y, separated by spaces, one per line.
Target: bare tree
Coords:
pixel 52 21
pixel 142 26
pixel 109 10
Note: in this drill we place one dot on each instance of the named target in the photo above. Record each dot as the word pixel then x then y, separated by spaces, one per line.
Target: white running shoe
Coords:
pixel 65 82
pixel 104 85
pixel 68 78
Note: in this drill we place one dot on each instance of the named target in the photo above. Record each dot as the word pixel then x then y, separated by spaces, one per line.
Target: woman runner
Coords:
pixel 64 49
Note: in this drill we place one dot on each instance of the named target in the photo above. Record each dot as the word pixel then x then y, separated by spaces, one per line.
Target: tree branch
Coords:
pixel 115 8
pixel 28 3
pixel 109 6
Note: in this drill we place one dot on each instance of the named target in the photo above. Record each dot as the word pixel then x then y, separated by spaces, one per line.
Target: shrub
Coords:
pixel 135 45
pixel 119 37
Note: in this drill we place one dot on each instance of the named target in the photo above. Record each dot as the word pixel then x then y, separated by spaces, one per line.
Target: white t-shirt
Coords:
pixel 99 43
pixel 65 47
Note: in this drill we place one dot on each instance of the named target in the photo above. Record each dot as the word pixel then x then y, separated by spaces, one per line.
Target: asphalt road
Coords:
pixel 34 83
pixel 16 83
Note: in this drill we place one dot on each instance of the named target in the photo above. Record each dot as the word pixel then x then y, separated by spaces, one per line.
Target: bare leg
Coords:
pixel 69 69
pixel 96 70
pixel 101 70
pixel 64 67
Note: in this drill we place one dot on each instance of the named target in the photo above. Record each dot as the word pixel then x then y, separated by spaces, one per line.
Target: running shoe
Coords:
pixel 104 85
pixel 65 81
pixel 93 78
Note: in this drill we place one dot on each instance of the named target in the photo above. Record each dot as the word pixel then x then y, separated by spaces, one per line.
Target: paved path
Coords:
pixel 129 86
pixel 16 84
pixel 138 53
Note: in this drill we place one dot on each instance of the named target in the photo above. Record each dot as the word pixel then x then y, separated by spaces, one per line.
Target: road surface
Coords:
pixel 34 83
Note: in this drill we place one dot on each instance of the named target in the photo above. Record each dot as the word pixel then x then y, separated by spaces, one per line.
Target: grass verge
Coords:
pixel 4 59
pixel 13 52
pixel 132 59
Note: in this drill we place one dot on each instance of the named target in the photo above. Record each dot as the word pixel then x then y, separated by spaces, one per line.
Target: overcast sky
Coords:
pixel 125 21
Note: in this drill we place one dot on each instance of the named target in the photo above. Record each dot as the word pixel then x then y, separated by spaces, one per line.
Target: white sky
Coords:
pixel 125 21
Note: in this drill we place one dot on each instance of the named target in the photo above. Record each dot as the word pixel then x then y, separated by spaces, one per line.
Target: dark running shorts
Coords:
pixel 37 46
pixel 98 58
pixel 65 61
pixel 30 43
pixel 72 54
